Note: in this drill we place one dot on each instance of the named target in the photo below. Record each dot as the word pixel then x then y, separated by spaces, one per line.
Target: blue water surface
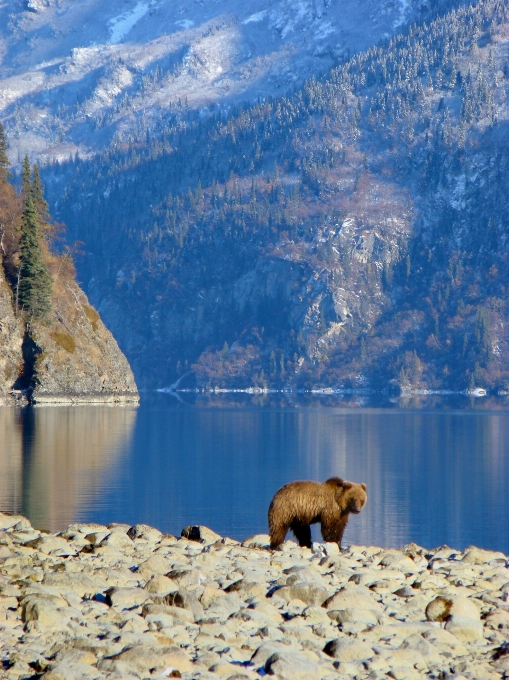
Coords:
pixel 434 476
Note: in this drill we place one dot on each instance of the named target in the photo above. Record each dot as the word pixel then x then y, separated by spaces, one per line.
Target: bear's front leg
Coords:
pixel 332 531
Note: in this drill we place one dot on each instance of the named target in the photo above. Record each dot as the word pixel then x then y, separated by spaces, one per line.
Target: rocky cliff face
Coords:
pixel 11 339
pixel 295 307
pixel 72 359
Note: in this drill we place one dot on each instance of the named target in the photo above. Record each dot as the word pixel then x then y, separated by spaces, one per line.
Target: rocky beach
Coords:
pixel 127 602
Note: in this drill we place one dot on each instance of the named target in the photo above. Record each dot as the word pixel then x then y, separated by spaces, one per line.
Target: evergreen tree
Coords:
pixel 4 161
pixel 25 176
pixel 35 283
pixel 37 188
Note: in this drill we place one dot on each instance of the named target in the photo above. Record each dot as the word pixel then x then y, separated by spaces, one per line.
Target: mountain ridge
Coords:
pixel 75 77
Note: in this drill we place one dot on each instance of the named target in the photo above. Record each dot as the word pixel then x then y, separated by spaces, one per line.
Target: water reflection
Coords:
pixel 11 460
pixel 55 463
pixel 433 477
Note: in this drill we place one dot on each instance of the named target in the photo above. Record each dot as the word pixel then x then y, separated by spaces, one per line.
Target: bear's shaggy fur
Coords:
pixel 299 504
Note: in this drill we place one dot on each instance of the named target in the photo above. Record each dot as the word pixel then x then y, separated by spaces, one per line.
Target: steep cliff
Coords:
pixel 11 339
pixel 73 358
pixel 54 347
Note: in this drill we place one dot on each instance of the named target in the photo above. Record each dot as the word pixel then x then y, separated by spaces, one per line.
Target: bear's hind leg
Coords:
pixel 277 536
pixel 302 534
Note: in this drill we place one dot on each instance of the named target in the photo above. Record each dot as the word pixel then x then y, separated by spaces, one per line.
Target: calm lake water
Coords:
pixel 433 476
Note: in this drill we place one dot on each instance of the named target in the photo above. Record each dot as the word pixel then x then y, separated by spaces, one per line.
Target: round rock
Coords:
pixel 345 649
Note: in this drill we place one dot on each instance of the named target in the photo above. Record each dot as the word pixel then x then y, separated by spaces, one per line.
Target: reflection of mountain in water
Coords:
pixel 433 477
pixel 55 461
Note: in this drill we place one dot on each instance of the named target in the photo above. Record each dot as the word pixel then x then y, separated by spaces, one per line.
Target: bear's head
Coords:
pixel 351 497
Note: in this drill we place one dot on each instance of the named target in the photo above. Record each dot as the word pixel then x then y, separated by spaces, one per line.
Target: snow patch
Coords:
pixel 184 24
pixel 458 195
pixel 403 10
pixel 287 21
pixel 324 30
pixel 121 25
pixel 37 5
pixel 255 18
pixel 47 64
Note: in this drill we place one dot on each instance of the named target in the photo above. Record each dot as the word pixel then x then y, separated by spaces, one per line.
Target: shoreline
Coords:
pixel 126 602
pixel 21 398
pixel 476 392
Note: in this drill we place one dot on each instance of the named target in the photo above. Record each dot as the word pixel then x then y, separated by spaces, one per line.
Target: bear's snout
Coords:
pixel 355 506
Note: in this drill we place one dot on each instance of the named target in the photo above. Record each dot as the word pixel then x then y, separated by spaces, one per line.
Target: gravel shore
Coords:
pixel 133 603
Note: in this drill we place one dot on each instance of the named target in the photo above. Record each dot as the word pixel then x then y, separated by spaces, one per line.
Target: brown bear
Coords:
pixel 299 504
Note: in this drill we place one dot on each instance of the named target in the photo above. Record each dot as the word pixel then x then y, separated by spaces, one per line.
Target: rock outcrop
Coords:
pixel 11 339
pixel 116 601
pixel 72 358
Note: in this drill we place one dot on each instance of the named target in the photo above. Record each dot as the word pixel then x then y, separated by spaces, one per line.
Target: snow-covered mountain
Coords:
pixel 73 75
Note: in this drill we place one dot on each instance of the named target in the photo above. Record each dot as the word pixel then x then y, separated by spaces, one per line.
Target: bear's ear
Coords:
pixel 347 485
pixel 363 486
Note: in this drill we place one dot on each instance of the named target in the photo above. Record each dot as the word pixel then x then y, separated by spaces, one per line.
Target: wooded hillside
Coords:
pixel 351 233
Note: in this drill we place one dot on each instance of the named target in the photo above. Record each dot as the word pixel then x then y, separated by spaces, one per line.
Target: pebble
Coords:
pixel 132 603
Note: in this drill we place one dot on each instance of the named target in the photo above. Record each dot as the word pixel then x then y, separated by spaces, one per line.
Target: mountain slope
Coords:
pixel 76 75
pixel 351 234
